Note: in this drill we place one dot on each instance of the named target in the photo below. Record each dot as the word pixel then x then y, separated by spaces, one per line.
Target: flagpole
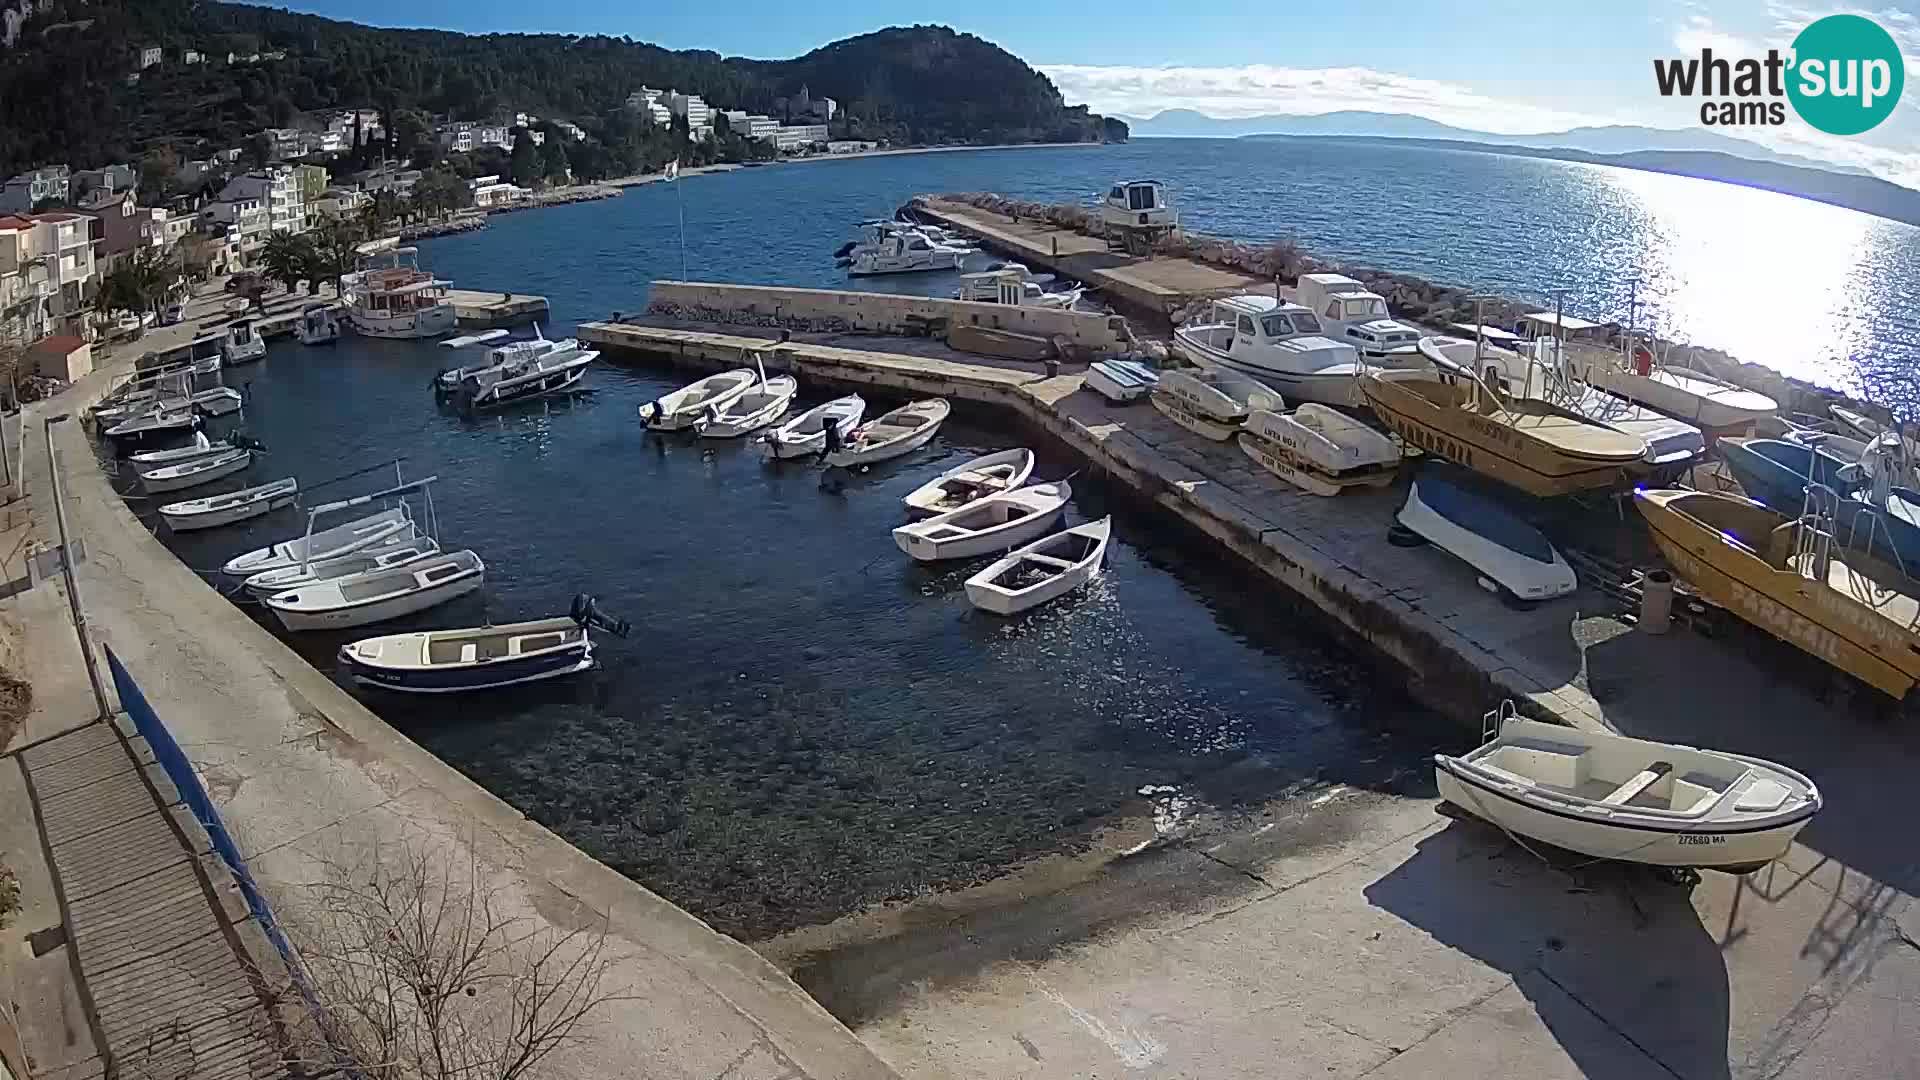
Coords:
pixel 681 201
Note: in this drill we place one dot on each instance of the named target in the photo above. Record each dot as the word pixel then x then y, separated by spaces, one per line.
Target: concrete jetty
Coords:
pixel 481 310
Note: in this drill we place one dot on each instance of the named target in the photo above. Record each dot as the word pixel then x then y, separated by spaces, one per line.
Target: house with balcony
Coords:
pixel 277 189
pixel 798 136
pixel 491 193
pixel 111 179
pixel 26 282
pixel 126 227
pixel 28 190
pixel 694 108
pixel 242 222
pixel 47 261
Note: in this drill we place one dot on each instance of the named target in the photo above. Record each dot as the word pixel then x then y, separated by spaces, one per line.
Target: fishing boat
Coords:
pixel 318 325
pixel 216 401
pixel 1777 471
pixel 1351 312
pixel 684 407
pixel 818 430
pixel 1450 509
pixel 243 345
pixel 907 251
pixel 481 657
pixel 892 434
pixel 1217 393
pixel 201 446
pixel 759 406
pixel 201 470
pixel 1178 411
pixel 1632 800
pixel 216 510
pixel 143 393
pixel 391 297
pixel 1282 345
pixel 397 550
pixel 378 595
pixel 986 525
pixel 1531 445
pixel 344 539
pixel 1044 570
pixel 989 474
pixel 553 372
pixel 1711 403
pixel 158 421
pixel 1785 575
pixel 1120 381
pixel 1318 449
pixel 506 354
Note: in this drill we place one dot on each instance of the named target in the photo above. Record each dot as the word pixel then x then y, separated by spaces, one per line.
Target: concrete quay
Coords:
pixel 1348 932
pixel 309 780
pixel 480 310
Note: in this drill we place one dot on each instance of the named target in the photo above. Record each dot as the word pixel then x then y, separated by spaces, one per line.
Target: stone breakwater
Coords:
pixel 696 313
pixel 1412 298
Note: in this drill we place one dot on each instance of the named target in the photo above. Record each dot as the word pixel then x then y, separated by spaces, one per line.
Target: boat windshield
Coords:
pixel 1279 325
pixel 1141 197
pixel 1364 307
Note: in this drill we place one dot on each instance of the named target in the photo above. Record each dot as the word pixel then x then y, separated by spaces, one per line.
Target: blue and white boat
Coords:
pixel 1120 381
pixel 480 658
pixel 1776 472
pixel 1449 508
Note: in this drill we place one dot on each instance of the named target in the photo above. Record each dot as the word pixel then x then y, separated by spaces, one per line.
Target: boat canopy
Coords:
pixel 1453 494
pixel 1491 333
pixel 1548 320
pixel 407 488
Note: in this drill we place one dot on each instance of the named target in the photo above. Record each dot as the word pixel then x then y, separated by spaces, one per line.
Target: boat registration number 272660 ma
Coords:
pixel 1700 839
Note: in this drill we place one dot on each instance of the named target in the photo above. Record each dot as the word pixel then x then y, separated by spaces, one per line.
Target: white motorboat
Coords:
pixel 984 526
pixel 481 657
pixel 201 446
pixel 216 510
pixel 1633 800
pixel 892 434
pixel 378 595
pixel 1177 410
pixel 818 430
pixel 905 252
pixel 1137 211
pixel 1449 509
pixel 1120 381
pixel 143 393
pixel 1694 396
pixel 1013 286
pixel 1542 369
pixel 1319 449
pixel 1282 345
pixel 989 474
pixel 202 470
pixel 1044 570
pixel 394 298
pixel 243 345
pixel 1351 312
pixel 397 550
pixel 1218 394
pixel 684 407
pixel 751 411
pixel 344 539
pixel 318 325
pixel 158 421
pixel 217 401
pixel 484 337
pixel 525 379
pixel 498 356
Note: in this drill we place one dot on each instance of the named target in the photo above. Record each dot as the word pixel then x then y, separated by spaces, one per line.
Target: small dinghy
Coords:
pixel 893 434
pixel 219 401
pixel 1044 570
pixel 1450 509
pixel 1319 450
pixel 1218 394
pixel 241 505
pixel 342 539
pixel 1632 800
pixel 200 470
pixel 378 595
pixel 987 525
pixel 818 430
pixel 751 411
pixel 483 657
pixel 1177 410
pixel 1120 381
pixel 989 474
pixel 684 407
pixel 396 551
pixel 201 446
pixel 157 421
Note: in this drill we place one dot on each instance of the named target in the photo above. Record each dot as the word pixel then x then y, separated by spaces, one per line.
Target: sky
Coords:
pixel 1491 65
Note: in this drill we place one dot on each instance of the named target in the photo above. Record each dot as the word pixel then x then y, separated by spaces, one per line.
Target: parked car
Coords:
pixel 173 314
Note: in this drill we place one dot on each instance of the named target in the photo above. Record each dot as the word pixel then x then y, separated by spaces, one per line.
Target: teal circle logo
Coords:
pixel 1847 74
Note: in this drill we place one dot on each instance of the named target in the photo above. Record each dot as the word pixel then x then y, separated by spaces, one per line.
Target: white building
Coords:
pixel 47 274
pixel 457 139
pixel 692 106
pixel 276 189
pixel 491 193
pixel 22 193
pixel 245 222
pixel 191 57
pixel 574 131
pixel 149 56
pixel 799 136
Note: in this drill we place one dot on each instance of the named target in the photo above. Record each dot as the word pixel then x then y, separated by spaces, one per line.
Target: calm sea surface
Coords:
pixel 803 722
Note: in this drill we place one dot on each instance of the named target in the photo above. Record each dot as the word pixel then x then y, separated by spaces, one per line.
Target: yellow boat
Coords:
pixel 1790 580
pixel 1526 443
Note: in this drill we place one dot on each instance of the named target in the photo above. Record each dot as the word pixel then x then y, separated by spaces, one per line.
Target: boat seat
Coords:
pixel 1763 796
pixel 1641 781
pixel 1048 560
pixel 469 652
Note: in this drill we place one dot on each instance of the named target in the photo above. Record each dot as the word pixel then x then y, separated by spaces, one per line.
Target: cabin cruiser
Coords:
pixel 1278 343
pixel 903 251
pixel 394 298
pixel 529 376
pixel 318 326
pixel 503 355
pixel 1714 404
pixel 1138 204
pixel 1350 312
pixel 1015 287
pixel 243 344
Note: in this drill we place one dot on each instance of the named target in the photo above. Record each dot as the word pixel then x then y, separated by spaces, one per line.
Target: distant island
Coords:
pixel 1702 154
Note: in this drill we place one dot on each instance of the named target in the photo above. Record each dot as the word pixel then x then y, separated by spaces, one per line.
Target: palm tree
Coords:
pixel 336 243
pixel 287 258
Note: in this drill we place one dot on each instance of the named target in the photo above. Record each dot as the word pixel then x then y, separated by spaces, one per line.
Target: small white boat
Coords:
pixel 500 356
pixel 1283 345
pixel 1218 394
pixel 684 407
pixel 1694 396
pixel 158 421
pixel 1448 508
pixel 531 377
pixel 397 550
pixel 201 446
pixel 1319 449
pixel 759 406
pixel 343 539
pixel 318 325
pixel 482 657
pixel 1120 381
pixel 378 595
pixel 1632 800
pixel 818 430
pixel 892 434
pixel 989 474
pixel 218 401
pixel 467 341
pixel 1177 410
pixel 202 470
pixel 987 525
pixel 243 345
pixel 215 510
pixel 1044 570
pixel 904 251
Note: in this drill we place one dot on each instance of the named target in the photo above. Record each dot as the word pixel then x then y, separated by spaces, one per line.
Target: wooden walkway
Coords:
pixel 161 941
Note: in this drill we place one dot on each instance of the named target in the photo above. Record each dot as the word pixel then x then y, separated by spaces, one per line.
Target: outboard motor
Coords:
pixel 830 436
pixel 587 613
pixel 846 249
pixel 650 411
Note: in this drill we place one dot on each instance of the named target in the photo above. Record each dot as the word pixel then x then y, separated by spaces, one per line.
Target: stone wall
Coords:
pixel 826 311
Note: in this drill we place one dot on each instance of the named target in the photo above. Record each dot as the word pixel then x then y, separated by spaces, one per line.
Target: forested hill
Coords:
pixel 66 97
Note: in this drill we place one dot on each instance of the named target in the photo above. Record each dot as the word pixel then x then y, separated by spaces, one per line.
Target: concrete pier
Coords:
pixel 479 310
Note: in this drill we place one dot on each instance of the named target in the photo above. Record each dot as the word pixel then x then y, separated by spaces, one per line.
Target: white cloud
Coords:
pixel 1699 32
pixel 1255 89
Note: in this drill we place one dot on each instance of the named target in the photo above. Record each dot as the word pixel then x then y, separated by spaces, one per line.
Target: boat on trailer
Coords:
pixel 1452 510
pixel 482 657
pixel 217 510
pixel 1613 797
pixel 987 525
pixel 684 407
pixel 892 434
pixel 988 474
pixel 1044 570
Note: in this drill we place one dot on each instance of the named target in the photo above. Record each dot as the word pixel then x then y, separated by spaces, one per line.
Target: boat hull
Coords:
pixel 1525 576
pixel 1720 410
pixel 461 678
pixel 1120 381
pixel 158 481
pixel 393 607
pixel 502 394
pixel 924 549
pixel 1339 387
pixel 1177 410
pixel 348 541
pixel 982 593
pixel 1705 845
pixel 432 322
pixel 1307 475
pixel 227 515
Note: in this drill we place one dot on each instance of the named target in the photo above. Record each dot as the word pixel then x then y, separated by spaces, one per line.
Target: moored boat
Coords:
pixel 201 446
pixel 684 407
pixel 892 434
pixel 1319 449
pixel 988 474
pixel 1452 510
pixel 343 539
pixel 318 325
pixel 193 473
pixel 378 595
pixel 243 344
pixel 160 420
pixel 482 657
pixel 524 379
pixel 1046 569
pixel 394 298
pixel 217 510
pixel 1633 800
pixel 1120 381
pixel 984 526
pixel 818 430
pixel 396 550
pixel 761 405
